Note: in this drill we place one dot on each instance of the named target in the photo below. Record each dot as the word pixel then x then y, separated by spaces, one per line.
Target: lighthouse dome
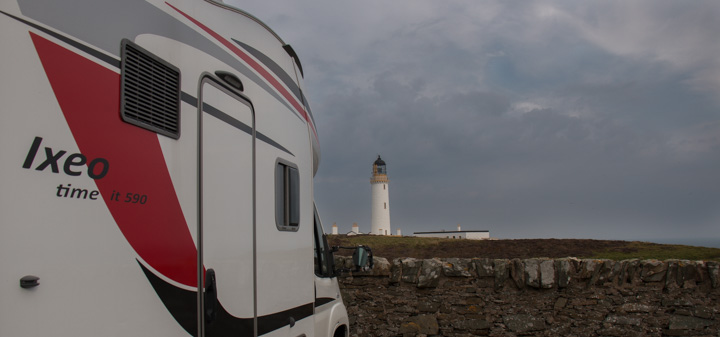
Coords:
pixel 379 167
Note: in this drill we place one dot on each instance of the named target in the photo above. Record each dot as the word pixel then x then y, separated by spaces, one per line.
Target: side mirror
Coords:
pixel 362 258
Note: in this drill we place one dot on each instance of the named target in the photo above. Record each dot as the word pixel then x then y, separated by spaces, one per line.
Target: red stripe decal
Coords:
pixel 245 57
pixel 89 96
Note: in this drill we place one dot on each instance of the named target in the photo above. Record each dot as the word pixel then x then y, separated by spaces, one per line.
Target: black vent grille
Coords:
pixel 150 93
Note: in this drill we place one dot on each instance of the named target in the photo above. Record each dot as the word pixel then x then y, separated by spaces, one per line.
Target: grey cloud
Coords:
pixel 542 118
pixel 465 151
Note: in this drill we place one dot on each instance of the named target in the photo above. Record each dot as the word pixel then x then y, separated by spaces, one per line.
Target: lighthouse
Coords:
pixel 379 184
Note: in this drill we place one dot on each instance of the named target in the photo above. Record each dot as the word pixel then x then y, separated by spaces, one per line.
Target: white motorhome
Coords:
pixel 157 175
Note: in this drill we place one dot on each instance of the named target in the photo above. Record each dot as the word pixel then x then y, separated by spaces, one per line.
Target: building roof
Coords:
pixel 379 161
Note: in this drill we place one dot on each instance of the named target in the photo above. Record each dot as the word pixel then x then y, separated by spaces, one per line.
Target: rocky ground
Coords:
pixel 533 297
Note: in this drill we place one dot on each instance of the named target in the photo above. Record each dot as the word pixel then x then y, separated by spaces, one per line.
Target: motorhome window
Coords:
pixel 149 91
pixel 320 266
pixel 324 263
pixel 287 197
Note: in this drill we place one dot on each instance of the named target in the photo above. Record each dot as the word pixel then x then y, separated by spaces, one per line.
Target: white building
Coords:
pixel 458 234
pixel 380 220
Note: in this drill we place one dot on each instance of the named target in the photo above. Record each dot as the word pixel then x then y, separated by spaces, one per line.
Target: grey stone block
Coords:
pixel 688 322
pixel 547 274
pixel 423 324
pixel 653 271
pixel 472 324
pixel 484 267
pixel 532 272
pixel 502 272
pixel 429 273
pixel 622 320
pixel 714 273
pixel 410 270
pixel 517 273
pixel 565 271
pixel 456 267
pixel 524 323
pixel 396 271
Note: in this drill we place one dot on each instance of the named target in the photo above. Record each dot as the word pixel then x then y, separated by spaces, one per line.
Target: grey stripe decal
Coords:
pixel 279 72
pixel 101 56
pixel 275 68
pixel 307 107
pixel 105 23
pixel 189 99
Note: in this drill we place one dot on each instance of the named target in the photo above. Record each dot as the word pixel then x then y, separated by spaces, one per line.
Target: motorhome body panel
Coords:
pixel 111 216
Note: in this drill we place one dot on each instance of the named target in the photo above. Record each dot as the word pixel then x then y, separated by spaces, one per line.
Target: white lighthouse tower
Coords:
pixel 380 199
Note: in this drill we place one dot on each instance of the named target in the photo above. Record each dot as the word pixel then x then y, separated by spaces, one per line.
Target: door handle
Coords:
pixel 211 301
pixel 29 281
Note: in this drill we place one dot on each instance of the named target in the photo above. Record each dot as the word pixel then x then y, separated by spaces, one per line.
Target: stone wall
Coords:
pixel 535 297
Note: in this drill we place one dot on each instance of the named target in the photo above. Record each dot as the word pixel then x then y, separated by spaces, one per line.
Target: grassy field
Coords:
pixel 646 250
pixel 392 247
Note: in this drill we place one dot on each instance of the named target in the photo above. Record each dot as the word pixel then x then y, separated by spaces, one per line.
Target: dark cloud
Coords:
pixel 466 158
pixel 531 119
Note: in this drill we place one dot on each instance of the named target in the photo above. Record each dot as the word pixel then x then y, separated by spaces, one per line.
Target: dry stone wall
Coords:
pixel 533 297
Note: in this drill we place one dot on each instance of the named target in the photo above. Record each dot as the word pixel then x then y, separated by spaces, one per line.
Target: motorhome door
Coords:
pixel 226 231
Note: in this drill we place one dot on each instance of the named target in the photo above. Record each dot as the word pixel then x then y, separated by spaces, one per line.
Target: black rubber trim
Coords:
pixel 182 304
pixel 289 49
pixel 323 300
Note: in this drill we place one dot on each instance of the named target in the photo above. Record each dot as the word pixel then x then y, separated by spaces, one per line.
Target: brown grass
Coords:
pixel 392 247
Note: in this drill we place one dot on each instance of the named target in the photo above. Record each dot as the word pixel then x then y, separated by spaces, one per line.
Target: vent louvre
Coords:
pixel 150 91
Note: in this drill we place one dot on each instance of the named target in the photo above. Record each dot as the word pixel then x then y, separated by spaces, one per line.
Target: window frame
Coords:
pixel 324 265
pixel 287 196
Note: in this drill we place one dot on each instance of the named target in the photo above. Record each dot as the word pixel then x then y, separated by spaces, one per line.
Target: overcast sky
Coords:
pixel 530 119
